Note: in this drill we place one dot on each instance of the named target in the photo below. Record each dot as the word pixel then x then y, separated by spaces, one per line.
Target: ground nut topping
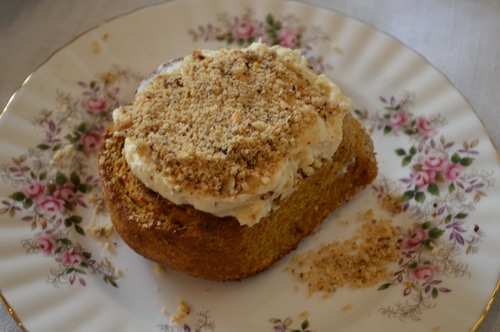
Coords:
pixel 230 131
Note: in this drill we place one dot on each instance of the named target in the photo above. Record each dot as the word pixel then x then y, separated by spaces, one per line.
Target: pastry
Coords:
pixel 226 159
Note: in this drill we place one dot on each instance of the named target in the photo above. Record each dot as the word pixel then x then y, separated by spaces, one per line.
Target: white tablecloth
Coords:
pixel 459 37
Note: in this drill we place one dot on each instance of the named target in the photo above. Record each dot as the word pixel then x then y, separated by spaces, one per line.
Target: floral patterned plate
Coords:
pixel 62 268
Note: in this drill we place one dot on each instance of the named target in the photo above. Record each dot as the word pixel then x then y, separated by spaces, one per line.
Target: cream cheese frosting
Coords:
pixel 231 132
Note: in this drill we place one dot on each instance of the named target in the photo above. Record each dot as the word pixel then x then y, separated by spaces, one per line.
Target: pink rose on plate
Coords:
pixel 424 178
pixel 287 37
pixel 435 163
pixel 398 119
pixel 425 126
pixel 34 190
pixel 423 272
pixel 97 105
pixel 72 257
pixel 46 244
pixel 244 30
pixel 50 204
pixel 453 171
pixel 415 239
pixel 65 192
pixel 91 140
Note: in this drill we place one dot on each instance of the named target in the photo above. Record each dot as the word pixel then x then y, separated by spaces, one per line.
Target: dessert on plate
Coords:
pixel 227 158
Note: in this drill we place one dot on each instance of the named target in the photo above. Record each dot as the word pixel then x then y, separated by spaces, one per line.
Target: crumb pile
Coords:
pixel 361 261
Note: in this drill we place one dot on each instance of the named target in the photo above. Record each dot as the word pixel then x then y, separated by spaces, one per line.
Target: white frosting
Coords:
pixel 318 142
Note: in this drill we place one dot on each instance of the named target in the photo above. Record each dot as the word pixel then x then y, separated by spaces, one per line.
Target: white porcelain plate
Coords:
pixel 432 150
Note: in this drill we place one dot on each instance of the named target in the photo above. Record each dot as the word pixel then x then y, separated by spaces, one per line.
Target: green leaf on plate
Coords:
pixel 18 196
pixel 408 195
pixel 384 286
pixel 433 189
pixel 400 152
pixel 466 161
pixel 406 160
pixel 435 293
pixel 420 196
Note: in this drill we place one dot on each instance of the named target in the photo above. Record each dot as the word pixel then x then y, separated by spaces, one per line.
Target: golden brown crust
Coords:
pixel 209 247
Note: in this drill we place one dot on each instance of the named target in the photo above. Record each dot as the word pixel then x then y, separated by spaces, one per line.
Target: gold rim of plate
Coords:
pixel 11 312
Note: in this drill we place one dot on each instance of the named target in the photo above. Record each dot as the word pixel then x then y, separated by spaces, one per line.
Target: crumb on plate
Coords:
pixel 359 262
pixel 183 310
pixel 347 308
pixel 159 269
pixel 100 229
